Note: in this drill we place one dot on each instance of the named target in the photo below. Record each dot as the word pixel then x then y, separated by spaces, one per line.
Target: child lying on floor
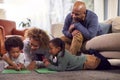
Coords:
pixel 14 59
pixel 62 60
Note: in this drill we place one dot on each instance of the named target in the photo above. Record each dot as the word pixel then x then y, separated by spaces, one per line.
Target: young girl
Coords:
pixel 62 60
pixel 14 59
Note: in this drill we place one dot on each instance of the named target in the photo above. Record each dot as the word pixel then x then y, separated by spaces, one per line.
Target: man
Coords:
pixel 79 26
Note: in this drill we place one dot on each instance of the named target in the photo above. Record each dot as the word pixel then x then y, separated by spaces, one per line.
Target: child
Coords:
pixel 62 60
pixel 14 59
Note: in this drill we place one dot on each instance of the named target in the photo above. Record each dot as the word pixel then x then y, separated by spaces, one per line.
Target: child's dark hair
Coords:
pixel 57 42
pixel 14 41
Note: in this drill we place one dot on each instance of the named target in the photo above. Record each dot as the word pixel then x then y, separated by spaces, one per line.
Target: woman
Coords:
pixel 35 47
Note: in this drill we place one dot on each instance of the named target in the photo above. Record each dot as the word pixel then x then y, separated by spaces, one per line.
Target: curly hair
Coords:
pixel 14 41
pixel 38 35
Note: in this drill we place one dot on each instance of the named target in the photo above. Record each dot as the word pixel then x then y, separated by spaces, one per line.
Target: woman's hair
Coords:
pixel 38 35
pixel 57 42
pixel 14 41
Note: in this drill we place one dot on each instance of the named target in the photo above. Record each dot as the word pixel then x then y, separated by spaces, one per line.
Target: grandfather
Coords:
pixel 80 25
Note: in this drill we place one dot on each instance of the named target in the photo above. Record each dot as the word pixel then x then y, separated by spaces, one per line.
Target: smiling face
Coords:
pixel 34 44
pixel 15 52
pixel 53 50
pixel 78 12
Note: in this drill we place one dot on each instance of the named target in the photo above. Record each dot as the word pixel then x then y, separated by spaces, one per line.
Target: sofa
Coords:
pixel 8 29
pixel 108 43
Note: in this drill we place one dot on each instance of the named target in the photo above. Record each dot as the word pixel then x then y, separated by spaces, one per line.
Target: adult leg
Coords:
pixel 76 43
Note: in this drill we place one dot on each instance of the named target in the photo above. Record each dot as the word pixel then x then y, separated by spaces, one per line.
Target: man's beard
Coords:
pixel 76 20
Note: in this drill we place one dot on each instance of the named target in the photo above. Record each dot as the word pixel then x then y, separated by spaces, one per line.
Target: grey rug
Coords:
pixel 71 75
pixel 113 74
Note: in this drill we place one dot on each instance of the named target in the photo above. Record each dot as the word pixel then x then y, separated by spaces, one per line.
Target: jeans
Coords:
pixel 73 45
pixel 104 64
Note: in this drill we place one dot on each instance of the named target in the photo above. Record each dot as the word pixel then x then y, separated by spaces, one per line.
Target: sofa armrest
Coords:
pixel 106 42
pixel 2 31
pixel 2 39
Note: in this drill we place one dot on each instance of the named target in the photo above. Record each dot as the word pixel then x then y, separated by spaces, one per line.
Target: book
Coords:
pixel 44 71
pixel 11 71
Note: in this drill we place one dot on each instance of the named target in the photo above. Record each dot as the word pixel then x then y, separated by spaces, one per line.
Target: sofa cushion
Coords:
pixel 111 54
pixel 56 30
pixel 110 42
pixel 105 27
pixel 116 25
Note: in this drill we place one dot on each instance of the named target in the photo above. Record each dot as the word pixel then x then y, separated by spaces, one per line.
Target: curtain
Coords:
pixel 42 13
pixel 112 8
pixel 99 9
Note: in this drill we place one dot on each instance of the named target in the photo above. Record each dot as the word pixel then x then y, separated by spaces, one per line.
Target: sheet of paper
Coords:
pixel 44 70
pixel 11 71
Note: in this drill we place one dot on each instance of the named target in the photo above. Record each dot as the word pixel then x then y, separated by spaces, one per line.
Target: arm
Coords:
pixel 62 64
pixel 67 24
pixel 21 61
pixel 9 64
pixel 26 51
pixel 91 29
pixel 9 61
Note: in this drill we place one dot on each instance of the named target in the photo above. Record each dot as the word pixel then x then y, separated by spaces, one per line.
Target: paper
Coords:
pixel 44 70
pixel 11 71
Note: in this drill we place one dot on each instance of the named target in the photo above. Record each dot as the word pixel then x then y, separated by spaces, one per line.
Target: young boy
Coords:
pixel 14 59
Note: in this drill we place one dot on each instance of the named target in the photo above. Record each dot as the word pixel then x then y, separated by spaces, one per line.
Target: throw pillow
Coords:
pixel 105 27
pixel 116 25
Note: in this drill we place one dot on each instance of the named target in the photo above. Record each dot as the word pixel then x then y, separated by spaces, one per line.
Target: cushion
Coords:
pixel 116 25
pixel 105 27
pixel 56 29
pixel 106 42
pixel 111 54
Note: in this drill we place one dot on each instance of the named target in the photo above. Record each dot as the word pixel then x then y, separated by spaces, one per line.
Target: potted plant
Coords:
pixel 26 23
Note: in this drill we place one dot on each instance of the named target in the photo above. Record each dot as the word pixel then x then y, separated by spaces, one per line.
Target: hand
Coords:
pixel 75 32
pixel 20 66
pixel 32 66
pixel 46 62
pixel 71 28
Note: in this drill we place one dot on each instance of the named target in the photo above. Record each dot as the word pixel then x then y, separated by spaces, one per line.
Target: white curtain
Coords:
pixel 42 13
pixel 36 10
pixel 99 9
pixel 112 8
